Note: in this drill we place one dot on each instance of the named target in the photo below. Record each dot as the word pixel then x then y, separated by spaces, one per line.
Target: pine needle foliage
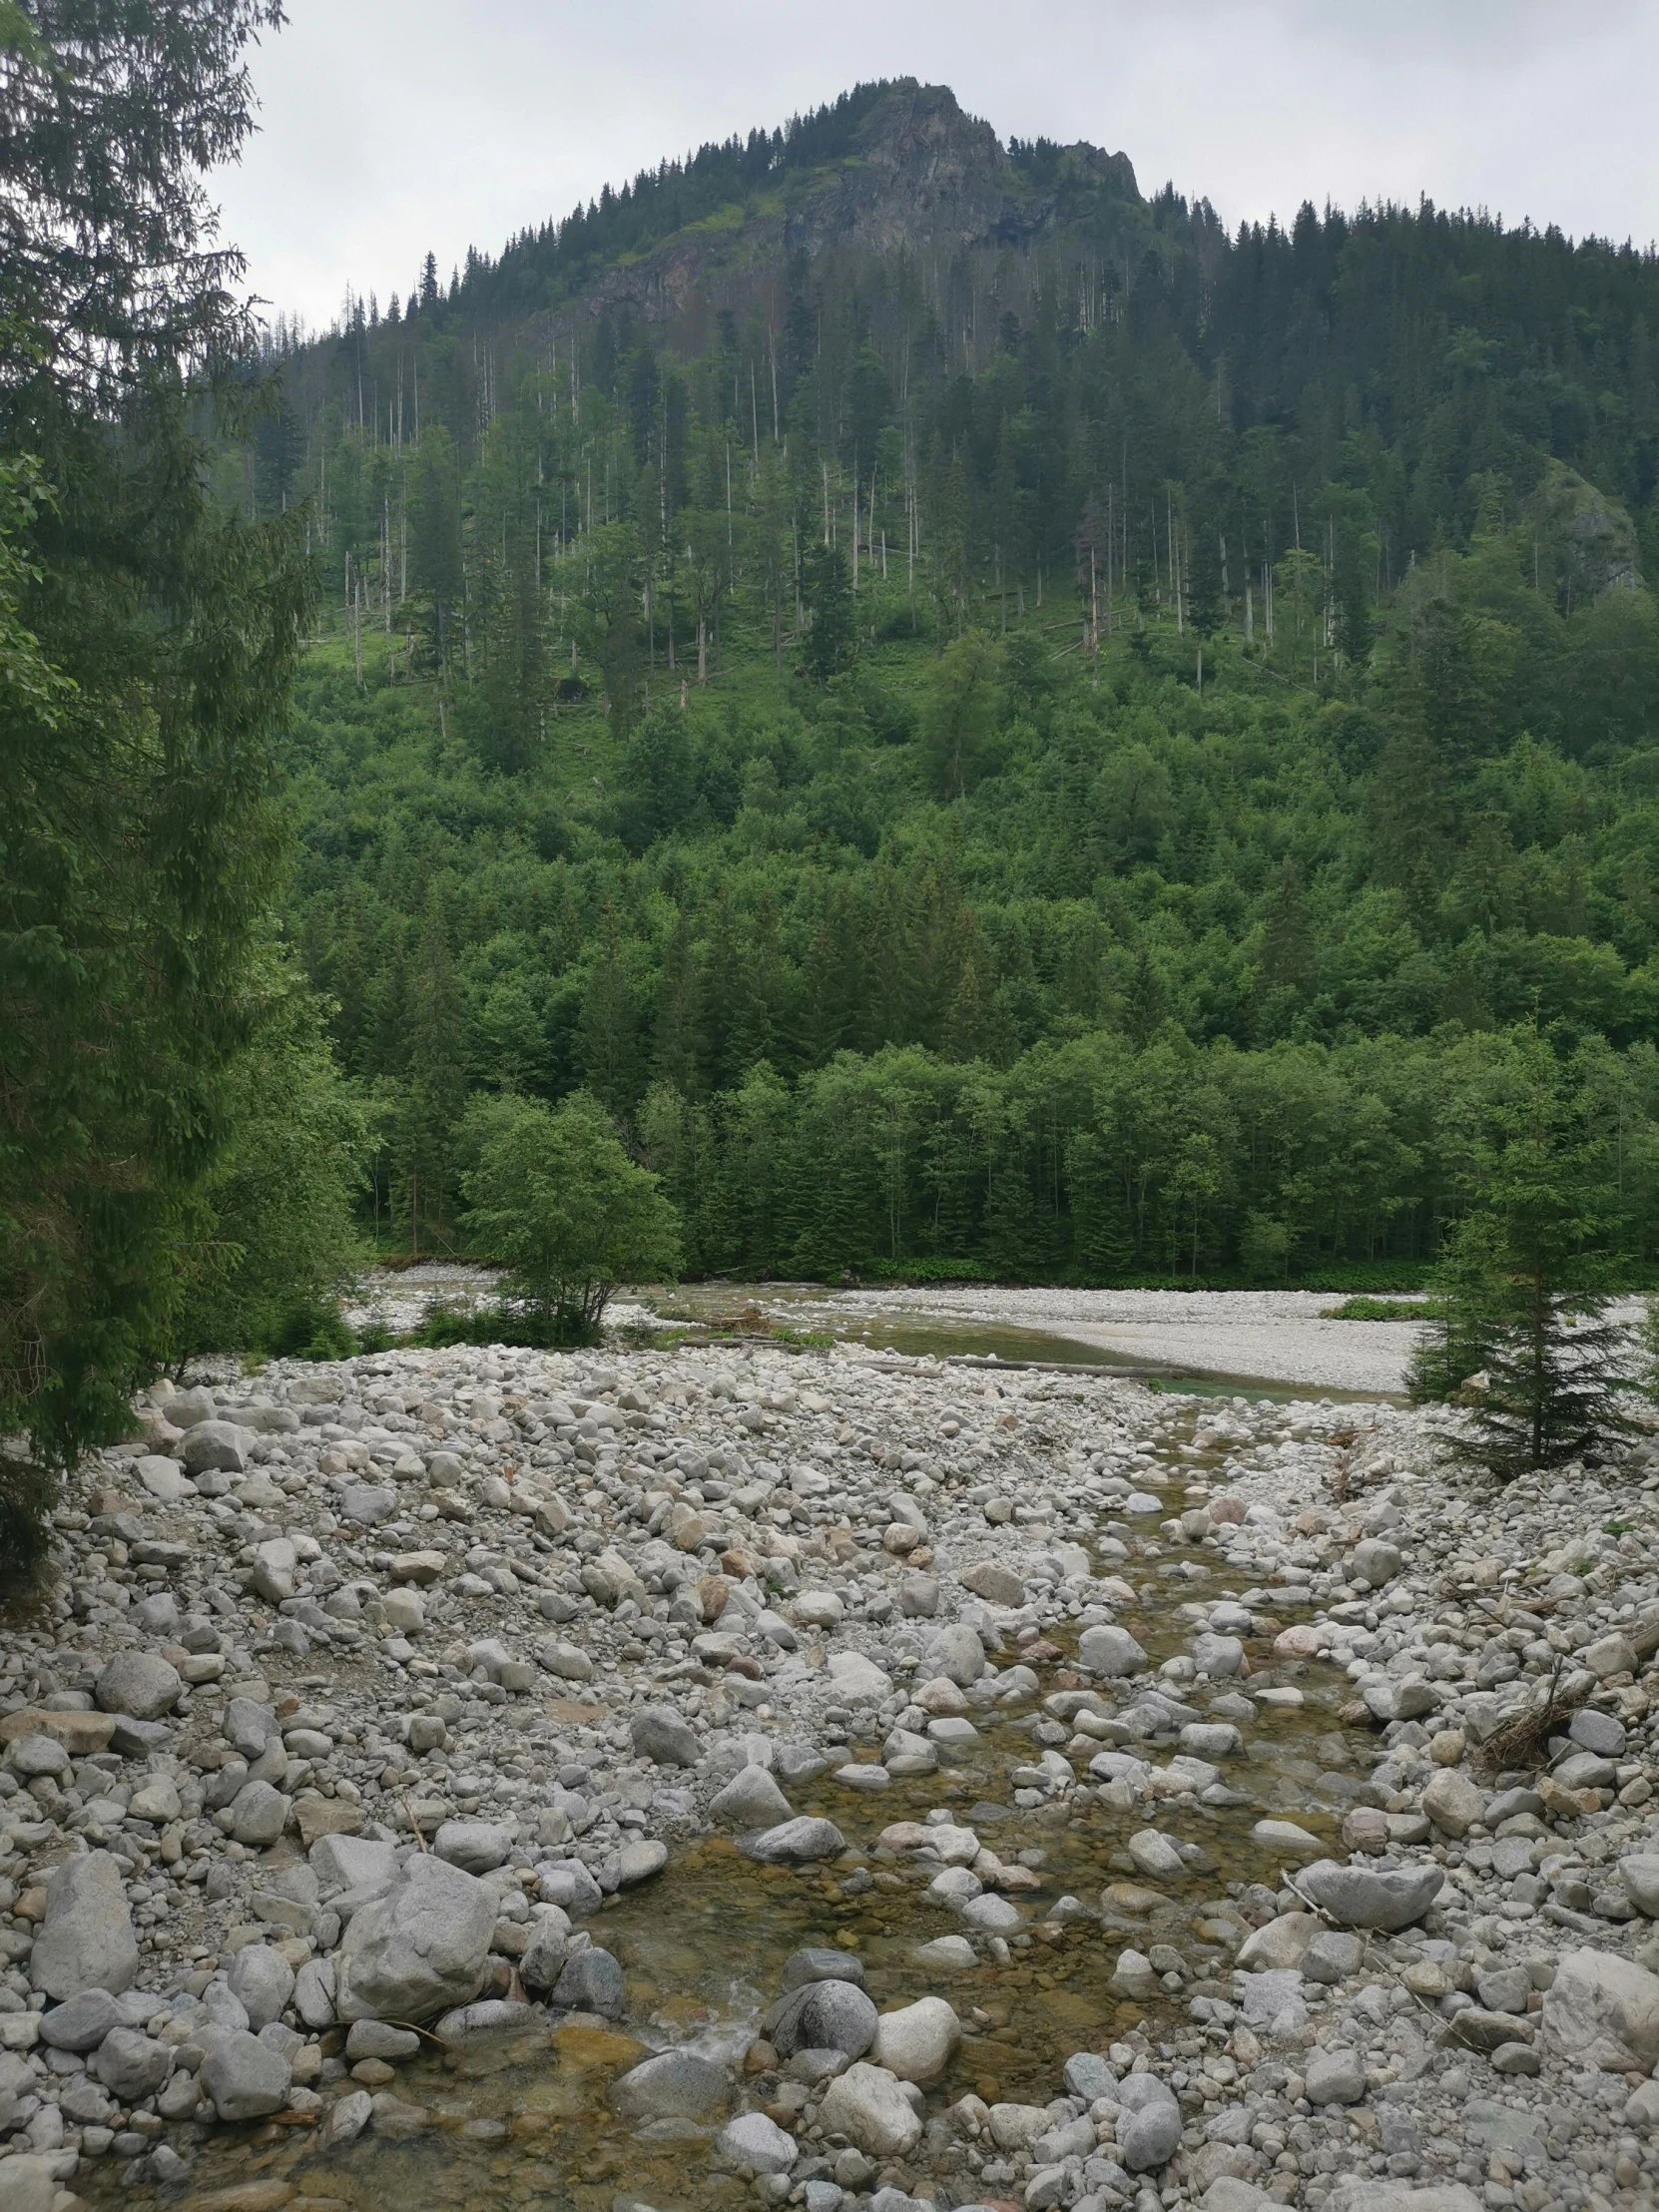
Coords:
pixel 147 639
pixel 1524 1329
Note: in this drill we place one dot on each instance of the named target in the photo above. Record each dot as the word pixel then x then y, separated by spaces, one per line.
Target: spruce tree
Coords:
pixel 1524 1302
pixel 146 643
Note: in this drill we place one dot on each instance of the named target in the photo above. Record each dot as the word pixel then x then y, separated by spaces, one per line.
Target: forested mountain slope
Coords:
pixel 984 717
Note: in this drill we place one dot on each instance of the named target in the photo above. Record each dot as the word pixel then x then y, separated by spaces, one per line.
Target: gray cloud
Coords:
pixel 444 123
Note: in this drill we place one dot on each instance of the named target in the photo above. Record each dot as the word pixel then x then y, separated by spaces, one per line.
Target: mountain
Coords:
pixel 889 168
pixel 989 721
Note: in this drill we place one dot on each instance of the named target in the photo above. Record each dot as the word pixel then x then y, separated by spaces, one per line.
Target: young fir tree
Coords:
pixel 1524 1305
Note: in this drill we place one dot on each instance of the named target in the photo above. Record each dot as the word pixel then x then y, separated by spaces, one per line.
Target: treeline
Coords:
pixel 1092 1162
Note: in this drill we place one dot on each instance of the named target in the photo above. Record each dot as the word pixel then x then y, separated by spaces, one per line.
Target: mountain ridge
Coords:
pixel 926 176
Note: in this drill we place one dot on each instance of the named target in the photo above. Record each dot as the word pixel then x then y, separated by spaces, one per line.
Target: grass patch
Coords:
pixel 1382 1309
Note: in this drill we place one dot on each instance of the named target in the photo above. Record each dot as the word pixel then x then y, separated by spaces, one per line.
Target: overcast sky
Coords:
pixel 387 129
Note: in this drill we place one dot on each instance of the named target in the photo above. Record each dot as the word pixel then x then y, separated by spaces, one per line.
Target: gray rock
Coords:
pixel 822 2015
pixel 367 1503
pixel 314 1994
pixel 1453 1803
pixel 1211 1740
pixel 572 1889
pixel 1110 1651
pixel 1597 1732
pixel 489 2016
pixel 663 1738
pixel 1335 2076
pixel 1088 2076
pixel 381 2039
pixel 141 1683
pixel 815 1962
pixel 186 1407
pixel 750 1800
pixel 676 2084
pixel 348 2117
pixel 352 1862
pixel 419 1950
pixel 478 1847
pixel 798 1842
pixel 1220 1657
pixel 1640 1874
pixel 916 2041
pixel 216 1446
pixel 756 2146
pixel 591 1981
pixel 259 1814
pixel 28 2183
pixel 1603 2011
pixel 1149 2134
pixel 31 1756
pixel 868 2107
pixel 131 2065
pixel 165 1480
pixel 86 1941
pixel 1278 1943
pixel 995 1583
pixel 1374 1561
pixel 263 1978
pixel 1358 2193
pixel 244 2077
pixel 1365 1897
pixel 544 1956
pixel 1332 1957
pixel 83 2022
pixel 637 1862
pixel 249 1726
pixel 957 1654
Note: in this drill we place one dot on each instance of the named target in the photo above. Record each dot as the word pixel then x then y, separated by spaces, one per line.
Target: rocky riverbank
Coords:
pixel 711 1778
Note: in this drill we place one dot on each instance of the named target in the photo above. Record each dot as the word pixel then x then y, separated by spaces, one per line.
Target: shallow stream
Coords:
pixel 703 1948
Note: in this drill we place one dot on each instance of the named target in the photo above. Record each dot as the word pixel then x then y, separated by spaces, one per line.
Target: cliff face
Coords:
pixel 926 179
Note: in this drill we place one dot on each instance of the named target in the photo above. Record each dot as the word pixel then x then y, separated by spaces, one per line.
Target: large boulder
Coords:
pixel 822 2015
pixel 217 1446
pixel 957 1654
pixel 1388 1898
pixel 756 2145
pixel 1453 1803
pixel 665 1739
pixel 1110 1651
pixel 86 1941
pixel 131 2064
pixel 674 2086
pixel 29 2183
pixel 1640 1874
pixel 478 1847
pixel 1148 2133
pixel 868 2107
pixel 917 2041
pixel 245 2079
pixel 590 1982
pixel 796 1843
pixel 419 1950
pixel 1277 1944
pixel 1604 2010
pixel 264 1981
pixel 750 1800
pixel 1358 2193
pixel 141 1683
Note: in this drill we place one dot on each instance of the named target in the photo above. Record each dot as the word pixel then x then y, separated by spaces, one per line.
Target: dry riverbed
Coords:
pixel 724 1778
